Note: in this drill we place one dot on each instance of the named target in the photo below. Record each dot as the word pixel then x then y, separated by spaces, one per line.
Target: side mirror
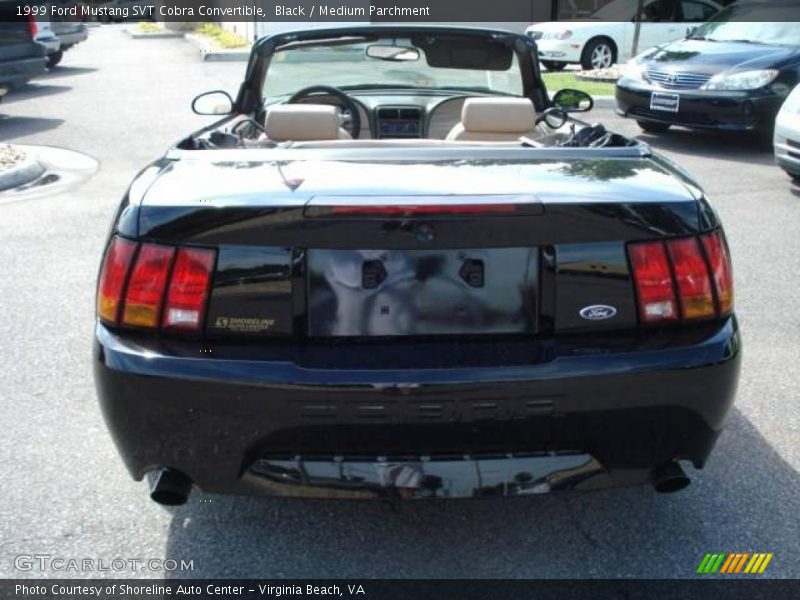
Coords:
pixel 554 117
pixel 570 101
pixel 213 103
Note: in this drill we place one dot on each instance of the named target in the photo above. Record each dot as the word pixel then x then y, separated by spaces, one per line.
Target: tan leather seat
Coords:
pixel 303 122
pixel 495 120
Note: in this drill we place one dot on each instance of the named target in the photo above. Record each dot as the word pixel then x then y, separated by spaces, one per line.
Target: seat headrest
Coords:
pixel 302 122
pixel 498 115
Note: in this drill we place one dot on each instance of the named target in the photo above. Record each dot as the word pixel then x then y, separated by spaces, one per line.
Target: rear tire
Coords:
pixel 54 58
pixel 599 53
pixel 554 67
pixel 653 127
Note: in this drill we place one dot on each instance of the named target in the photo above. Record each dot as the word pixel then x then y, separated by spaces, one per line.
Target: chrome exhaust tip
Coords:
pixel 170 488
pixel 669 478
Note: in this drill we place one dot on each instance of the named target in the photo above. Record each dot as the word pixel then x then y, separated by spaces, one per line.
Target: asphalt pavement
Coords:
pixel 66 493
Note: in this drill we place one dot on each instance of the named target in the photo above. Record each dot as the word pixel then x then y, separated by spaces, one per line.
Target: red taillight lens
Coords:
pixel 653 282
pixel 691 274
pixel 33 27
pixel 176 280
pixel 145 292
pixel 698 266
pixel 188 290
pixel 721 270
pixel 112 278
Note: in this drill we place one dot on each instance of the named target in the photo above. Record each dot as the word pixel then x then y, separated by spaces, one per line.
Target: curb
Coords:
pixel 212 53
pixel 605 101
pixel 29 170
pixel 136 35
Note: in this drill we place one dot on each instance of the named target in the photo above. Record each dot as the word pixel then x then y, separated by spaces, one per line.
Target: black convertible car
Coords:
pixel 398 267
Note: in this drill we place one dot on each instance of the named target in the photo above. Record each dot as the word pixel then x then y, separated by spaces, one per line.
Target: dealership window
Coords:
pixel 696 12
pixel 659 11
pixel 576 9
pixel 625 10
pixel 616 10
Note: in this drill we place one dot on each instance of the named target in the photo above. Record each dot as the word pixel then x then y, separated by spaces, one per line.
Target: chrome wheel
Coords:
pixel 602 56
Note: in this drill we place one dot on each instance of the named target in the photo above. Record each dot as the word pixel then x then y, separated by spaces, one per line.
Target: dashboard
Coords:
pixel 401 115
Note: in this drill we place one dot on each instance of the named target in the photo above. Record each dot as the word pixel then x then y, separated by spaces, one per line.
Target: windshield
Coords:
pixel 348 66
pixel 746 24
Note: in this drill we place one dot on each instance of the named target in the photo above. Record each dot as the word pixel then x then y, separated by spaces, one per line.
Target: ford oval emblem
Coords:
pixel 598 312
pixel 425 232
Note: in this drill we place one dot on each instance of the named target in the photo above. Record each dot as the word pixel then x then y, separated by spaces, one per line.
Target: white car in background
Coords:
pixel 607 36
pixel 787 135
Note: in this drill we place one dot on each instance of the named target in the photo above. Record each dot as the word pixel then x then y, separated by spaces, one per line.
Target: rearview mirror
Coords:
pixel 570 100
pixel 213 103
pixel 393 53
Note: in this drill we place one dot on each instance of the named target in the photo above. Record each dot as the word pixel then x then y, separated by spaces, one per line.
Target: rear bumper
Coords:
pixel 718 111
pixel 68 39
pixel 578 418
pixel 559 51
pixel 50 44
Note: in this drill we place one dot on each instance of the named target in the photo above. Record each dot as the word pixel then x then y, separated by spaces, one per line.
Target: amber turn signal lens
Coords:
pixel 112 278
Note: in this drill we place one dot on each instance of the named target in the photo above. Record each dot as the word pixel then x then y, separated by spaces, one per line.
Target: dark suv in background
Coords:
pixel 21 58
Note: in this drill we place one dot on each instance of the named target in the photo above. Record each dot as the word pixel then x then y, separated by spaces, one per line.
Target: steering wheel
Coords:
pixel 352 118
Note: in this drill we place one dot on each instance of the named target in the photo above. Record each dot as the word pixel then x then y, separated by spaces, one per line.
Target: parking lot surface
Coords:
pixel 66 493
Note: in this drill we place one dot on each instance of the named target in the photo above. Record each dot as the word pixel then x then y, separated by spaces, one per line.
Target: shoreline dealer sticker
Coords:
pixel 244 325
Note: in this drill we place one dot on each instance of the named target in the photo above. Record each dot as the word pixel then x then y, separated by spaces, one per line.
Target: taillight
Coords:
pixel 691 274
pixel 721 270
pixel 159 285
pixel 33 26
pixel 679 279
pixel 145 293
pixel 653 282
pixel 188 290
pixel 112 279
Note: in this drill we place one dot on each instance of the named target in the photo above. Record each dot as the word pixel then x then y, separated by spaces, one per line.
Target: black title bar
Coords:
pixel 332 11
pixel 384 589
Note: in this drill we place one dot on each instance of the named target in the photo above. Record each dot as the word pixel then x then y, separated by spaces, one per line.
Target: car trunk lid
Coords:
pixel 368 248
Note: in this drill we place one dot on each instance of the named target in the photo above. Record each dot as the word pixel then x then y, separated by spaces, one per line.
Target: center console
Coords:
pixel 398 122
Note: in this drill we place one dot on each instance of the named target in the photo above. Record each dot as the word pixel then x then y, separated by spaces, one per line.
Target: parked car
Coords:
pixel 59 35
pixel 732 73
pixel 46 37
pixel 69 34
pixel 787 135
pixel 21 58
pixel 607 37
pixel 414 275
